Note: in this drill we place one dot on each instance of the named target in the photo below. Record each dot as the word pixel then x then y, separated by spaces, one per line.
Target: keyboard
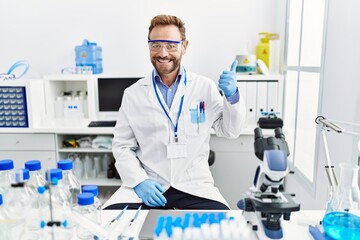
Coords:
pixel 102 124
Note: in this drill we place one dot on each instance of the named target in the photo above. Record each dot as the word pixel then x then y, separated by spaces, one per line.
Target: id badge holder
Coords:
pixel 176 150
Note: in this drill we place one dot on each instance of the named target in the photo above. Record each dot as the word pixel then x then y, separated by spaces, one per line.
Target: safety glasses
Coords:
pixel 169 45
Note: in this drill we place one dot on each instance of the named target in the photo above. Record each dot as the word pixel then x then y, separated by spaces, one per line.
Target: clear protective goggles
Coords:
pixel 169 45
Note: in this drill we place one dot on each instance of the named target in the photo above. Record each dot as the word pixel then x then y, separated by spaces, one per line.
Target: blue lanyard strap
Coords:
pixel 163 108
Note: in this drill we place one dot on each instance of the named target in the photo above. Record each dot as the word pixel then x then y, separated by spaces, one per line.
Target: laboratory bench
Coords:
pixel 296 228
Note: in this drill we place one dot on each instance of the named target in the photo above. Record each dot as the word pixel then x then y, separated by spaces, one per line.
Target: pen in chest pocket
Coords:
pixel 198 110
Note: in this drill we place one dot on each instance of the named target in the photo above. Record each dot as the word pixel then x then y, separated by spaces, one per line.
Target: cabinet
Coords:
pixel 69 97
pixel 263 94
pixel 21 147
pixel 99 174
pixel 237 160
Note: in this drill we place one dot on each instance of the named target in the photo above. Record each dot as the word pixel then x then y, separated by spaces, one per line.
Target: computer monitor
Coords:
pixel 110 91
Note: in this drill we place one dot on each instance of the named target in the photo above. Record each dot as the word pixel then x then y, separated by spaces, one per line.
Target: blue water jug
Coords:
pixel 89 54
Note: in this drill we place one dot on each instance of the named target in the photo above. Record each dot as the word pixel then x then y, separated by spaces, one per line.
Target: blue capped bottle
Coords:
pixel 38 204
pixel 17 200
pixel 89 54
pixel 36 179
pixel 6 170
pixel 69 180
pixel 60 196
pixel 87 209
pixel 97 203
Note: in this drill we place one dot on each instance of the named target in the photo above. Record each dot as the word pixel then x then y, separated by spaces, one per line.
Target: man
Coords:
pixel 161 139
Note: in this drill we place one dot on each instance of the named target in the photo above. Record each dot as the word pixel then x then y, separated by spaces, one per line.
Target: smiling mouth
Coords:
pixel 163 60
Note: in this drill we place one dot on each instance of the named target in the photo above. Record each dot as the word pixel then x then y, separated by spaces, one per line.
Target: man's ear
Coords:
pixel 184 46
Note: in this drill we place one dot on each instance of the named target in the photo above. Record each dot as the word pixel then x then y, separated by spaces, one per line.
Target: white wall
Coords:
pixel 45 32
pixel 340 97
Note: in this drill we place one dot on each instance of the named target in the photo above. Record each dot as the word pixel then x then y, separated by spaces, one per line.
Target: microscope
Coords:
pixel 266 204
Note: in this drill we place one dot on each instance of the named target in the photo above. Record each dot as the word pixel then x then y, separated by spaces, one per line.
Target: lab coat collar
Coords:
pixel 181 90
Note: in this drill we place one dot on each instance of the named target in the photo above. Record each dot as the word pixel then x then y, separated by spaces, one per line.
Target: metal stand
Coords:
pixel 327 126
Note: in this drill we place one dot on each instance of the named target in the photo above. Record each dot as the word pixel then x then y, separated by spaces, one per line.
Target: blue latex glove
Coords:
pixel 227 81
pixel 151 193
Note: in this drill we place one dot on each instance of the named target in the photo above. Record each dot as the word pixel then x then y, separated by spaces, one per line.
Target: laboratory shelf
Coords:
pixel 84 150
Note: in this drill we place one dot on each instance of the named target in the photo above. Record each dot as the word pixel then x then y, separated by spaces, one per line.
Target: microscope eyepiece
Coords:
pixel 258 133
pixel 279 133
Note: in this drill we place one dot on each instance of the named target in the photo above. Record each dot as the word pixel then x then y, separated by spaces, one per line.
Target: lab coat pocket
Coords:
pixel 195 119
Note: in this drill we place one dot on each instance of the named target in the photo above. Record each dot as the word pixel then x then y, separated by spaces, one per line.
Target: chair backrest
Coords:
pixel 211 159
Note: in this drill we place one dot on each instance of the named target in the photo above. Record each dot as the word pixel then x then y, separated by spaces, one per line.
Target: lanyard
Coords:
pixel 163 108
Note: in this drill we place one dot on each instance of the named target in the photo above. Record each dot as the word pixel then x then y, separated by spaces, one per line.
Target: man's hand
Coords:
pixel 151 193
pixel 227 81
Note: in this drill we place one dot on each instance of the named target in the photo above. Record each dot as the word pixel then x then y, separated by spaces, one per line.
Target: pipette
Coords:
pixel 111 222
pixel 128 232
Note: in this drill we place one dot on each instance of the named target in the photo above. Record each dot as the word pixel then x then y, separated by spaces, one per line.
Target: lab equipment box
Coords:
pixel 18 98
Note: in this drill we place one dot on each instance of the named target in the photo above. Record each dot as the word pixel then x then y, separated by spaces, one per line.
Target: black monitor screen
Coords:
pixel 111 91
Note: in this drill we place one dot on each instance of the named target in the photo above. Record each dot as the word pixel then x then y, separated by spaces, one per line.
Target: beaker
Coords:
pixel 346 195
pixel 342 220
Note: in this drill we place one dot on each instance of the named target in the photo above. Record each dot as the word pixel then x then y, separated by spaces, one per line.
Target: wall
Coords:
pixel 340 97
pixel 45 32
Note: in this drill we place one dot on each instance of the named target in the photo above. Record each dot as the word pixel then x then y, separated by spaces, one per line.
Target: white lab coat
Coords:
pixel 143 132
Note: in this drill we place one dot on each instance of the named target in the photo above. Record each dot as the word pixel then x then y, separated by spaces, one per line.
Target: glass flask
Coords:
pixel 342 220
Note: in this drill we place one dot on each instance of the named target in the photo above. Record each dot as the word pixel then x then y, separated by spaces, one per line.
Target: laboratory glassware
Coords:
pixel 87 209
pixel 88 167
pixel 342 219
pixel 60 195
pixel 97 203
pixel 17 200
pixel 38 204
pixel 78 167
pixel 6 169
pixel 69 179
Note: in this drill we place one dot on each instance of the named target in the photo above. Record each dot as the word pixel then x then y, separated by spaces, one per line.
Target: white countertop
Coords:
pixel 296 228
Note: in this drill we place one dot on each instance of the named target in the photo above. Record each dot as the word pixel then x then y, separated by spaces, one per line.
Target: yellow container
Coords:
pixel 263 48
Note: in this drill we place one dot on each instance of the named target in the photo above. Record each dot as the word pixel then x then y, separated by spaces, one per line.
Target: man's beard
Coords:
pixel 162 71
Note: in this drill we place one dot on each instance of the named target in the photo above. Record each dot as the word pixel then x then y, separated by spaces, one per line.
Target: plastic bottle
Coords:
pixel 54 225
pixel 246 62
pixel 60 196
pixel 37 206
pixel 25 180
pixel 88 166
pixel 87 209
pixel 97 166
pixel 78 167
pixel 97 203
pixel 105 161
pixel 90 55
pixel 59 107
pixel 36 179
pixel 17 199
pixel 95 191
pixel 6 170
pixel 262 49
pixel 69 180
pixel 4 230
pixel 274 53
pixel 68 108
